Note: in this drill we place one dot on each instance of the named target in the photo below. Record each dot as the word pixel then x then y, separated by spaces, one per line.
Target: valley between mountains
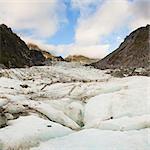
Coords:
pixel 76 103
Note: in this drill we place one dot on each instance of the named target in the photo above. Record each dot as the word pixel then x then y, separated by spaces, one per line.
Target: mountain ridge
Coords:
pixel 14 52
pixel 133 52
pixel 80 58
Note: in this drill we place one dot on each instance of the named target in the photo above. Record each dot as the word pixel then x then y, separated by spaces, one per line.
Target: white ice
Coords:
pixel 87 109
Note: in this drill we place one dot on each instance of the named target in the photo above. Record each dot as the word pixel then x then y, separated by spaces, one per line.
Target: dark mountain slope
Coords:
pixel 134 52
pixel 14 51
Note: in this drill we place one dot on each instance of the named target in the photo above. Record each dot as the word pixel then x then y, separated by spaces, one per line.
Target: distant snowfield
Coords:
pixel 70 107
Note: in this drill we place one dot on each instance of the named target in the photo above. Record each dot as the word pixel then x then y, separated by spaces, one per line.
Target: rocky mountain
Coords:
pixel 37 57
pixel 80 58
pixel 33 46
pixel 47 55
pixel 134 52
pixel 14 52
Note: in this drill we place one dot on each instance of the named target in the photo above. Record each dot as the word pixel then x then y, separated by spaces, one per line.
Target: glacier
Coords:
pixel 68 106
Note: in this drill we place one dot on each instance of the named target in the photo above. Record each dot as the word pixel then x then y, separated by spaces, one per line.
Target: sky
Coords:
pixel 92 28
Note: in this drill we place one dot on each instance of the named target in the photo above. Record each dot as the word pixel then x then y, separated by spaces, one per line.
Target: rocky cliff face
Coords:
pixel 47 55
pixel 134 52
pixel 36 54
pixel 14 52
pixel 37 57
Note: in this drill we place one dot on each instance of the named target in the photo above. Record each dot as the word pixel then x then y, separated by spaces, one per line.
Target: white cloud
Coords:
pixel 79 4
pixel 92 26
pixel 42 18
pixel 92 51
pixel 85 7
pixel 108 16
pixel 140 13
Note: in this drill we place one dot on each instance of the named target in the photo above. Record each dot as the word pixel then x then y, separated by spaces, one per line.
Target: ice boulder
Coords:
pixel 75 111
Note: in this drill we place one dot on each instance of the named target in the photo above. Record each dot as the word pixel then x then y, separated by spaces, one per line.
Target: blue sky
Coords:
pixel 66 32
pixel 66 27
